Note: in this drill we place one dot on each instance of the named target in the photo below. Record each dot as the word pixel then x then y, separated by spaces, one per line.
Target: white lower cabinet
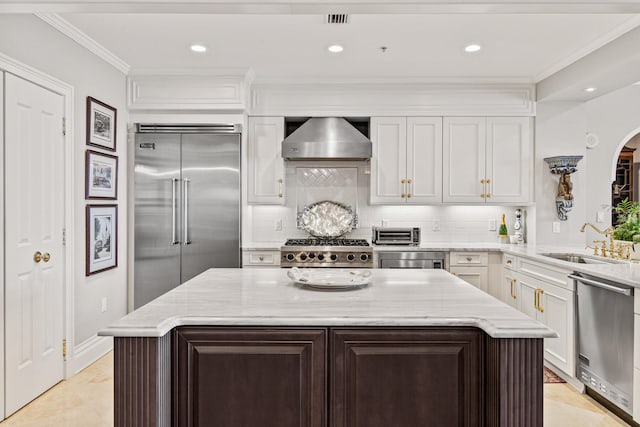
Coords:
pixel 510 293
pixel 472 267
pixel 477 276
pixel 526 286
pixel 256 258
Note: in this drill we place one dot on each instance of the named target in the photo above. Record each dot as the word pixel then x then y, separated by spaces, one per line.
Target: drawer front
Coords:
pixel 547 273
pixel 468 258
pixel 261 258
pixel 510 262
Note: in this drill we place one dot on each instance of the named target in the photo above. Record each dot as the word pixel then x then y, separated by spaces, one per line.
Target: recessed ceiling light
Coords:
pixel 198 48
pixel 472 48
pixel 335 48
pixel 590 89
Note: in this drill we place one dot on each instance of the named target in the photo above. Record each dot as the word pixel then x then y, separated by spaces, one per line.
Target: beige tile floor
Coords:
pixel 87 400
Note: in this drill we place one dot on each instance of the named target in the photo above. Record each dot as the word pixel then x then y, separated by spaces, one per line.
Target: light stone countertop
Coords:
pixel 267 297
pixel 622 272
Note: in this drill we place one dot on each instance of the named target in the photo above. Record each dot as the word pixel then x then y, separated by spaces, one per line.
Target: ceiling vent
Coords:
pixel 338 18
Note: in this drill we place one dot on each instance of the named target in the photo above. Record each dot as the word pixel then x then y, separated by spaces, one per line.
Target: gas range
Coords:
pixel 351 253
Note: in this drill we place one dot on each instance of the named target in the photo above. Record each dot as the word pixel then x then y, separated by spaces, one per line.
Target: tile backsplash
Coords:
pixel 271 225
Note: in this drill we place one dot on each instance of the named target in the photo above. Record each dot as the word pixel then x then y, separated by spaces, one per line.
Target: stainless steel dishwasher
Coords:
pixel 605 338
pixel 411 259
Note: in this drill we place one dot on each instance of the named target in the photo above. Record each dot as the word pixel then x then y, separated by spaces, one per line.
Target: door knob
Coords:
pixel 37 257
pixel 46 257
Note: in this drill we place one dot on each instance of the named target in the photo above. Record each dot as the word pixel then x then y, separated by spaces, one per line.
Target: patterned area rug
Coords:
pixel 550 377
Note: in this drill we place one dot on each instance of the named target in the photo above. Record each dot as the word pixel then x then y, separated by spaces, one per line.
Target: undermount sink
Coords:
pixel 581 259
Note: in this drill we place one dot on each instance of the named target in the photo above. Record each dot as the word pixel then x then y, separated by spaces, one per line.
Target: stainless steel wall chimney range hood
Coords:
pixel 326 138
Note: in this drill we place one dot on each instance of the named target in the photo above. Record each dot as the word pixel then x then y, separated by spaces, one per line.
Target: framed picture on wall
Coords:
pixel 101 176
pixel 101 124
pixel 102 238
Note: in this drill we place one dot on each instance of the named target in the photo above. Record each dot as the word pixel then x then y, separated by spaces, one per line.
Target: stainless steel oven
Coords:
pixel 411 259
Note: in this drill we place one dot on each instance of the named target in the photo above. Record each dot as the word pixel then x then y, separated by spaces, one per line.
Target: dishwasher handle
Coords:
pixel 623 291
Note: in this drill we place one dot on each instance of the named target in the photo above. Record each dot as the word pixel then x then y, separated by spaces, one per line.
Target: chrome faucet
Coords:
pixel 606 232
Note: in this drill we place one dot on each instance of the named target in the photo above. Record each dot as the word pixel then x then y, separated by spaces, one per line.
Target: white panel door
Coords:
pixel 464 159
pixel 508 159
pixel 477 276
pixel 527 290
pixel 424 160
pixel 510 292
pixel 388 160
pixel 266 165
pixel 34 215
pixel 557 313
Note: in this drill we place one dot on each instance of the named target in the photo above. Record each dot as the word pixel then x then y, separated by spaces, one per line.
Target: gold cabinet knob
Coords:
pixel 408 181
pixel 46 257
pixel 409 196
pixel 403 181
pixel 483 195
pixel 482 181
pixel 403 195
pixel 488 181
pixel 488 195
pixel 37 257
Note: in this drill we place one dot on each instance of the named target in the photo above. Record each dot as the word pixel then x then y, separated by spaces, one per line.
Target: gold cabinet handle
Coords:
pixel 46 257
pixel 536 297
pixel 540 292
pixel 512 282
pixel 488 188
pixel 280 188
pixel 37 257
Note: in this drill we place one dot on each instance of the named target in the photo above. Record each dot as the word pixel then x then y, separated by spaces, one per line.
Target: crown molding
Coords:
pixel 75 34
pixel 596 44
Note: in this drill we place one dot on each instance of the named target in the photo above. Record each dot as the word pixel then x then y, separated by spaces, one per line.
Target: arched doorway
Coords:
pixel 625 173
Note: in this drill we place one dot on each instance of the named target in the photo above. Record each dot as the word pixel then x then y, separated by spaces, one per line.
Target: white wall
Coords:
pixel 28 39
pixel 561 129
pixel 457 223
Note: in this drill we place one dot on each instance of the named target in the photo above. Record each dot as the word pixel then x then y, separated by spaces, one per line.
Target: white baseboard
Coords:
pixel 86 353
pixel 572 381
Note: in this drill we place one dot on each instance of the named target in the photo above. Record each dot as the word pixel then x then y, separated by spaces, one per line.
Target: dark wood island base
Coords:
pixel 337 376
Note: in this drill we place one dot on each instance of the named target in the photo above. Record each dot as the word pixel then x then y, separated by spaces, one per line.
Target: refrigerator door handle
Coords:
pixel 174 202
pixel 187 241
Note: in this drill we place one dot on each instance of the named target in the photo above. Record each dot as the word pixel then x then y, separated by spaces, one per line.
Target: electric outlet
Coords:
pixel 555 227
pixel 436 225
pixel 600 216
pixel 104 304
pixel 278 225
pixel 493 225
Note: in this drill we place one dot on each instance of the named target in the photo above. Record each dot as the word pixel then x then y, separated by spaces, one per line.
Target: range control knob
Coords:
pixel 320 257
pixel 312 255
pixel 291 257
pixel 333 257
pixel 364 257
pixel 303 257
pixel 351 257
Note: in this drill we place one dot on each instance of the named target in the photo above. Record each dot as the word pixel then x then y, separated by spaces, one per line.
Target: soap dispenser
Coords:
pixel 518 227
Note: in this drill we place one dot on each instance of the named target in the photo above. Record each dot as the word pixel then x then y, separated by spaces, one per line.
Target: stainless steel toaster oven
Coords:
pixel 396 236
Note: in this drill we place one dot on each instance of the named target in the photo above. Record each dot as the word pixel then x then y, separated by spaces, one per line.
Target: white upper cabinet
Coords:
pixel 487 160
pixel 406 165
pixel 508 159
pixel 424 160
pixel 464 159
pixel 266 165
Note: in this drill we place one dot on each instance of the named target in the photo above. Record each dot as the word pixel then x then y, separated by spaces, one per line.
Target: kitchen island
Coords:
pixel 247 347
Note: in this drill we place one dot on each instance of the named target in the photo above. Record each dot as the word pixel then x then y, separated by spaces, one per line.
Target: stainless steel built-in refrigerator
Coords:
pixel 187 204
